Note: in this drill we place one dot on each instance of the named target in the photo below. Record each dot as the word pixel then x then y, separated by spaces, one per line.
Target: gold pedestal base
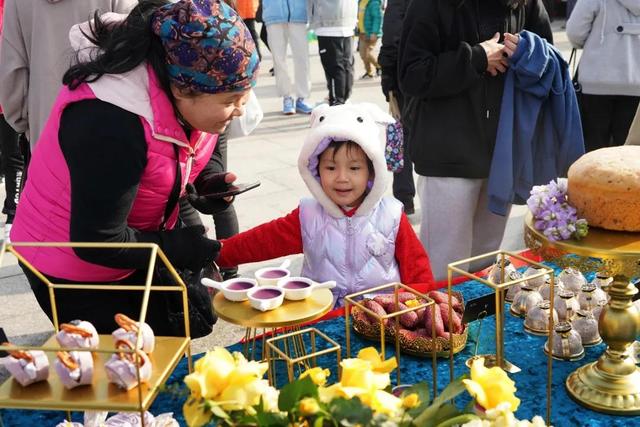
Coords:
pixel 604 392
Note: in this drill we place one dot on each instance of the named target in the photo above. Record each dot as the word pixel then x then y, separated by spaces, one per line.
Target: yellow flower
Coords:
pixel 197 384
pixel 410 401
pixel 242 396
pixel 227 382
pixel 195 413
pixel 317 375
pixel 327 394
pixel 384 403
pixel 358 373
pixel 308 406
pixel 371 355
pixel 211 373
pixel 491 386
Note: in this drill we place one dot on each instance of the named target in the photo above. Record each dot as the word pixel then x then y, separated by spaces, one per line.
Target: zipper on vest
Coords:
pixel 191 156
pixel 349 257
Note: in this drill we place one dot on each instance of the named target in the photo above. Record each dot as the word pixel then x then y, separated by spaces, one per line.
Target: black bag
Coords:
pixel 201 314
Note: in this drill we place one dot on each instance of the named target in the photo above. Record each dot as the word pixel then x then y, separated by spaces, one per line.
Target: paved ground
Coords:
pixel 269 155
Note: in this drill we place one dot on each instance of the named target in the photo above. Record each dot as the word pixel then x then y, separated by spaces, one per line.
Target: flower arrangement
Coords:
pixel 552 213
pixel 226 389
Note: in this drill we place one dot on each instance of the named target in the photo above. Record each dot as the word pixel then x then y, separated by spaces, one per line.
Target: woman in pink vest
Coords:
pixel 131 132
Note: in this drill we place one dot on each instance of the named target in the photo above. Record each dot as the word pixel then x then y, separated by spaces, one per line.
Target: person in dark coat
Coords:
pixel 403 186
pixel 452 58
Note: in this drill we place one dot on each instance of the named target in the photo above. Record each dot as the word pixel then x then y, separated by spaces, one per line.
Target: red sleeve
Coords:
pixel 413 261
pixel 274 239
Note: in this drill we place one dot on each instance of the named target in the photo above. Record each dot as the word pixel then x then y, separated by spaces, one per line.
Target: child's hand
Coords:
pixel 373 37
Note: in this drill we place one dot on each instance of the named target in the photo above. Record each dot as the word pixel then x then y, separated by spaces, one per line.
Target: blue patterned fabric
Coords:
pixel 209 48
pixel 521 348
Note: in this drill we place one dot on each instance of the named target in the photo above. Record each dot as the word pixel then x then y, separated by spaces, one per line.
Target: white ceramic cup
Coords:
pixel 233 289
pixel 269 276
pixel 299 288
pixel 265 298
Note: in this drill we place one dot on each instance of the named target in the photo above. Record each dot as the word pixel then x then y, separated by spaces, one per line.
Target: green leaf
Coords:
pixel 291 393
pixel 319 422
pixel 272 419
pixel 459 420
pixel 428 416
pixel 454 389
pixel 424 394
pixel 350 412
pixel 216 410
pixel 446 412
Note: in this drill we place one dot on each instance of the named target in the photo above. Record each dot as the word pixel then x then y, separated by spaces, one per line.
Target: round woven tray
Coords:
pixel 421 346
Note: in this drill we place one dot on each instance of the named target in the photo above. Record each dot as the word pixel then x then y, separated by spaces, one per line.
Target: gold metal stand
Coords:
pixel 356 300
pixel 612 383
pixel 286 318
pixel 101 395
pixel 292 350
pixel 500 289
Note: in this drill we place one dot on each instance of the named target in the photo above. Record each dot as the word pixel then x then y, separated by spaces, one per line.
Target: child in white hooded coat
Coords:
pixel 349 232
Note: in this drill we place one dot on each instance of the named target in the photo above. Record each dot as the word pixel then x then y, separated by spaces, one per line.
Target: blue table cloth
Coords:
pixel 521 348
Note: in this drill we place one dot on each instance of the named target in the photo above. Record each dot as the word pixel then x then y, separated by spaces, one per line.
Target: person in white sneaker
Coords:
pixel 286 22
pixel 334 22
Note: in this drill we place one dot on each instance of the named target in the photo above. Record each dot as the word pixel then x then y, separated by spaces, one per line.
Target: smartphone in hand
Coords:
pixel 233 190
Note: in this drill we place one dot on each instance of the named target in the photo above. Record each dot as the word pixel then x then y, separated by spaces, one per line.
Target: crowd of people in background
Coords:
pixel 448 69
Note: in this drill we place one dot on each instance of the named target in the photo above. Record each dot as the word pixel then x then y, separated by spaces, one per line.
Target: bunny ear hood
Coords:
pixel 364 124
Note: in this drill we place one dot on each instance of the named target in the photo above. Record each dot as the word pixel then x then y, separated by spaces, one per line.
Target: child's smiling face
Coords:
pixel 344 174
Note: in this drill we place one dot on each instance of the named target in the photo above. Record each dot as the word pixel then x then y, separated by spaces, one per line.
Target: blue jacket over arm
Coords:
pixel 539 131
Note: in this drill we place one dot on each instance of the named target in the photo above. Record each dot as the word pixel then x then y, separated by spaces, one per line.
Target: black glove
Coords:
pixel 189 247
pixel 205 204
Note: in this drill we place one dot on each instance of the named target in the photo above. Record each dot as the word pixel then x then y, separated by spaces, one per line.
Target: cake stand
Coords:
pixel 612 383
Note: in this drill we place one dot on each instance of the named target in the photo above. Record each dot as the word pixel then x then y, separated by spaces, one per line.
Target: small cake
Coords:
pixel 128 331
pixel 572 279
pixel 604 187
pixel 27 367
pixel 78 334
pixel 495 273
pixel 75 368
pixel 121 367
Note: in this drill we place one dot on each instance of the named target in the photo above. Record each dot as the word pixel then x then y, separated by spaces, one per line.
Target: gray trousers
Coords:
pixel 456 222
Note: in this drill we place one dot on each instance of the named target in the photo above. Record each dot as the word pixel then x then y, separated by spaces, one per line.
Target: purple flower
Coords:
pixel 552 213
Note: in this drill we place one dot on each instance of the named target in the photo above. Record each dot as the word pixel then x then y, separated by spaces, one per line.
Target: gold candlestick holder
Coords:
pixel 500 290
pixel 291 349
pixel 612 383
pixel 100 395
pixel 355 300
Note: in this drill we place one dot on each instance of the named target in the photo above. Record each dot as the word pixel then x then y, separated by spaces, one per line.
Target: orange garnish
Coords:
pixel 126 323
pixel 68 361
pixel 126 344
pixel 73 329
pixel 18 354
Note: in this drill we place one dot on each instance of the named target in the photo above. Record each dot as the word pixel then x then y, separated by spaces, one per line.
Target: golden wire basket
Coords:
pixel 420 346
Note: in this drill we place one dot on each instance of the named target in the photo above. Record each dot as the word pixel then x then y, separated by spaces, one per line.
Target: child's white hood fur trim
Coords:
pixel 363 124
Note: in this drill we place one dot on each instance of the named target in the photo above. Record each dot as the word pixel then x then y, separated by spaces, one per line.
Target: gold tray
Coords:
pixel 290 313
pixel 422 346
pixel 100 395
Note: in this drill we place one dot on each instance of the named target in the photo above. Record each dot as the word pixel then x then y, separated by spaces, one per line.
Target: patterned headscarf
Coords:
pixel 208 47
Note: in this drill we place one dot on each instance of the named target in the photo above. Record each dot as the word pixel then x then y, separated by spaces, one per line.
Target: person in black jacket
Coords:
pixel 403 186
pixel 451 63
